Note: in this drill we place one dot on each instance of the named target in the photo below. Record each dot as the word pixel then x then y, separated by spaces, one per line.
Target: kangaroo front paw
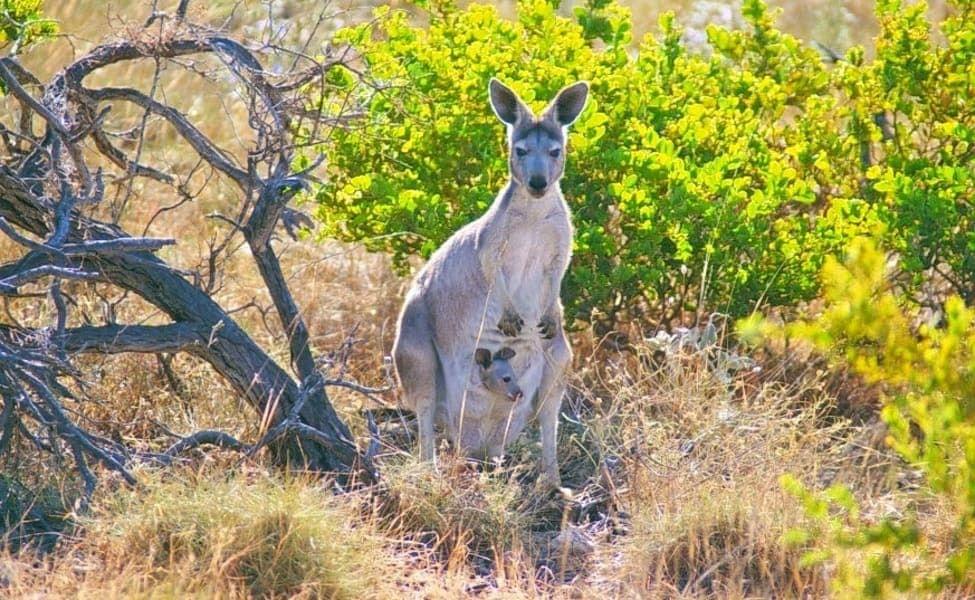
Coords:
pixel 547 327
pixel 510 323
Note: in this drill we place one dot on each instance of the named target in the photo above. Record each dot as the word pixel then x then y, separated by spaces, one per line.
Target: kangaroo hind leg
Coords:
pixel 417 368
pixel 558 357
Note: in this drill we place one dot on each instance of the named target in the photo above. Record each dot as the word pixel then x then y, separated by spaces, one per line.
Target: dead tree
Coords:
pixel 50 199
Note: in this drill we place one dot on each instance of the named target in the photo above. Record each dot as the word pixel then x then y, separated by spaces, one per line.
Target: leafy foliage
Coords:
pixel 928 378
pixel 672 175
pixel 923 183
pixel 21 23
pixel 697 182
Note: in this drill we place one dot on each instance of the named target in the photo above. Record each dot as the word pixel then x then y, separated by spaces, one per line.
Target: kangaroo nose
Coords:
pixel 537 183
pixel 516 396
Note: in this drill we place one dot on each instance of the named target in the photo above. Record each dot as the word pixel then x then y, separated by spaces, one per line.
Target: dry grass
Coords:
pixel 675 493
pixel 722 539
pixel 237 534
pixel 698 469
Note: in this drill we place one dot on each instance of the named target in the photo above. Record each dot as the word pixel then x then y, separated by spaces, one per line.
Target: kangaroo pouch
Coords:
pixel 484 422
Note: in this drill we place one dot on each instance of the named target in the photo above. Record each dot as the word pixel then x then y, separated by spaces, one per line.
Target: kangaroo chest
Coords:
pixel 526 263
pixel 532 261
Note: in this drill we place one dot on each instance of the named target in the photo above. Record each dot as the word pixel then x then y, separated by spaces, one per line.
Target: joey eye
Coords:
pixel 554 152
pixel 521 151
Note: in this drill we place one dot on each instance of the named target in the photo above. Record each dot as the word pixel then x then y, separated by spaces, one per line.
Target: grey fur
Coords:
pixel 481 287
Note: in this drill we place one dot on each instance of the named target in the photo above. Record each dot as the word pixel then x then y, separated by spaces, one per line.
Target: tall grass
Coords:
pixel 675 492
pixel 232 534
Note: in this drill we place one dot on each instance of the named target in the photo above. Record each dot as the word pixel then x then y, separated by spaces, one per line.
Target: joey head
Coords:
pixel 496 372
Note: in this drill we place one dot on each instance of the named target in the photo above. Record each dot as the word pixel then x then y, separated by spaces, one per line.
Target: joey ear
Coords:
pixel 482 357
pixel 568 103
pixel 504 354
pixel 506 103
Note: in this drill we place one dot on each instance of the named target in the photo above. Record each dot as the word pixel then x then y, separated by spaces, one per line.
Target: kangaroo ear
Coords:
pixel 506 103
pixel 568 103
pixel 504 354
pixel 482 357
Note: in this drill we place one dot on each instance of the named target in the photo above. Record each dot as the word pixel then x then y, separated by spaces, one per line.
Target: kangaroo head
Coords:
pixel 497 374
pixel 536 145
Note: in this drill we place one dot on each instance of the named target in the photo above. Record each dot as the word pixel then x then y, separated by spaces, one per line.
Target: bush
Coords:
pixel 21 24
pixel 713 182
pixel 928 378
pixel 922 183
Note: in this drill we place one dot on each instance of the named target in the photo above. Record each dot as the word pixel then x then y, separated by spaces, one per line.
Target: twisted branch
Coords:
pixel 47 210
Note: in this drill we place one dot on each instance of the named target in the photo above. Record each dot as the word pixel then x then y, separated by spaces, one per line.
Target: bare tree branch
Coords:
pixel 181 9
pixel 116 339
pixel 118 157
pixel 46 208
pixel 9 285
pixel 201 438
pixel 189 132
pixel 13 84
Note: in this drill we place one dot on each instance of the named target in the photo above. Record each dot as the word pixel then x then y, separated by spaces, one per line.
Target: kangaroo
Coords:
pixel 486 282
pixel 496 373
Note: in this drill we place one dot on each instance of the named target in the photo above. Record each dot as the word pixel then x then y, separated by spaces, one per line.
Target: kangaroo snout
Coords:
pixel 537 185
pixel 516 395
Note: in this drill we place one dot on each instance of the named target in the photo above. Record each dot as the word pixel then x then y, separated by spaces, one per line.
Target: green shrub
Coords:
pixel 928 380
pixel 21 23
pixel 697 182
pixel 924 181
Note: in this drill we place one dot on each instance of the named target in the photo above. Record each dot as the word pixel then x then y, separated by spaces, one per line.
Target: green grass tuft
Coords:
pixel 234 535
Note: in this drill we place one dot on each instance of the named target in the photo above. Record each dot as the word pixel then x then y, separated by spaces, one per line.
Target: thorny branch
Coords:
pixel 48 207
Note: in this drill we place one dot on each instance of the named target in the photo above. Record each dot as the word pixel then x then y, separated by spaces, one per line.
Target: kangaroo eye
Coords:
pixel 506 379
pixel 521 151
pixel 554 153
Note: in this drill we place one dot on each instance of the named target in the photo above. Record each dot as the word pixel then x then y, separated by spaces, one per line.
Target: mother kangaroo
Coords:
pixel 495 283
